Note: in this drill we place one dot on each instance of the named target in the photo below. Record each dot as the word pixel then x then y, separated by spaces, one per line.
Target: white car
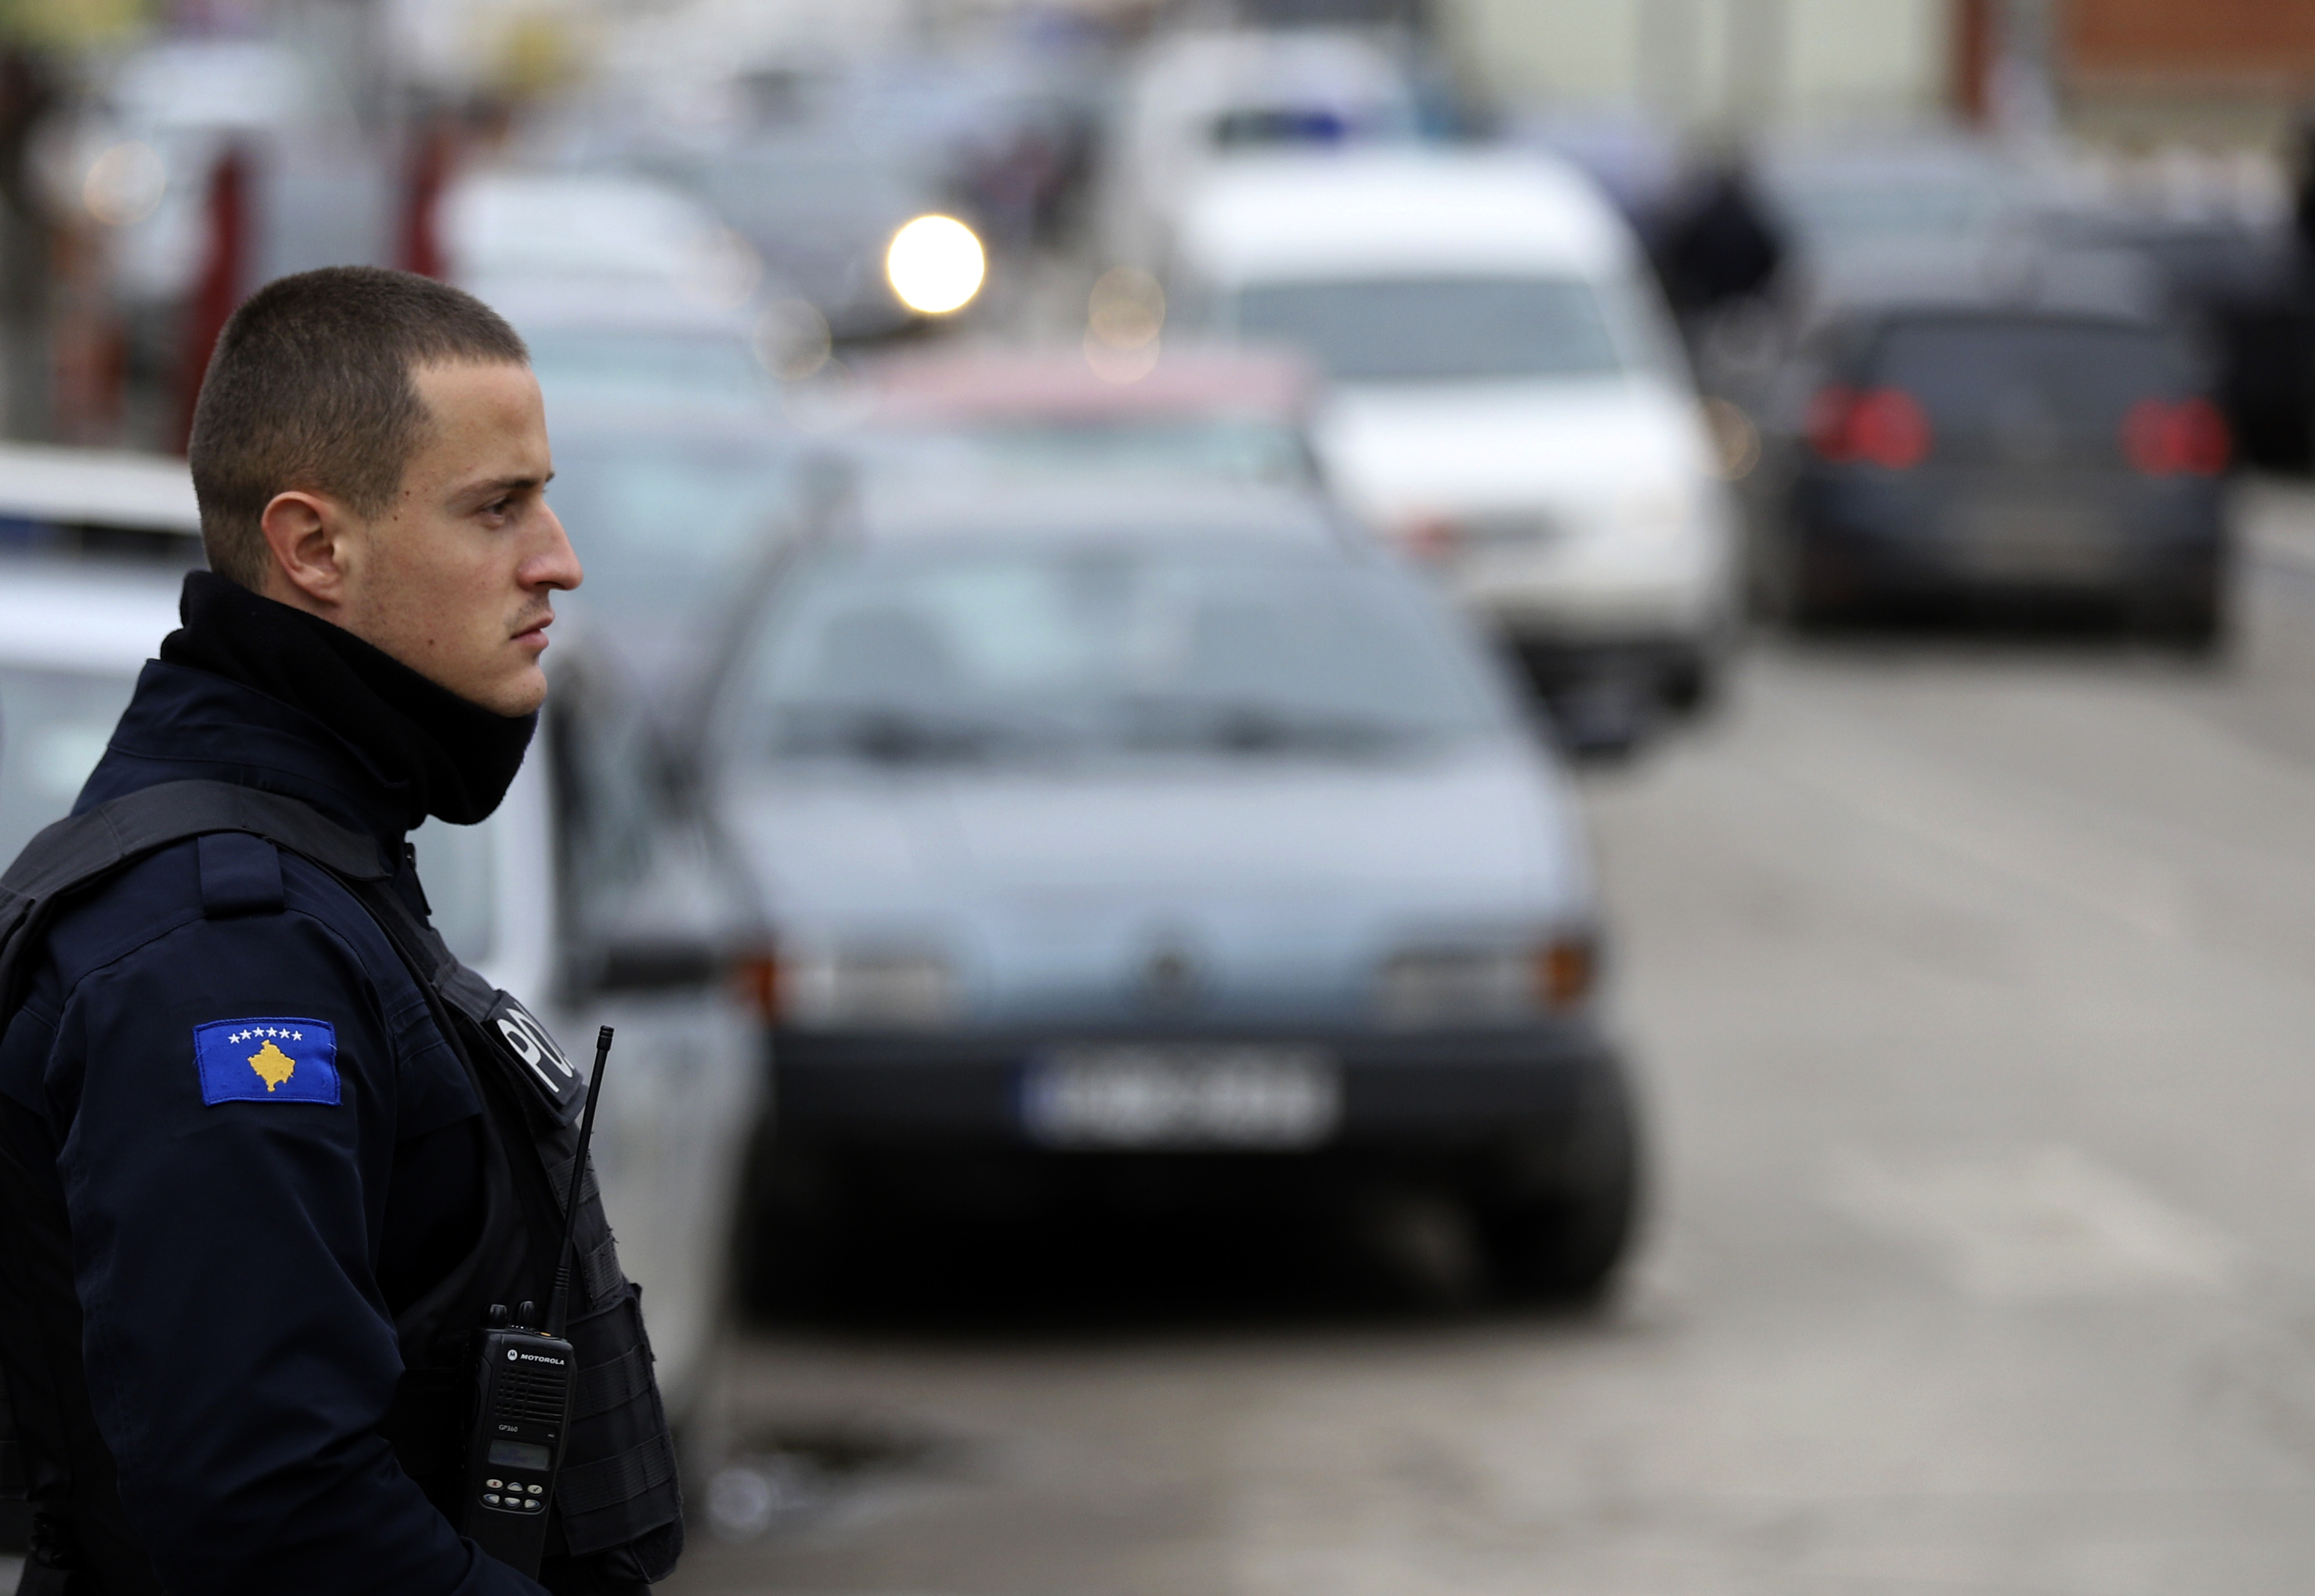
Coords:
pixel 582 895
pixel 1507 398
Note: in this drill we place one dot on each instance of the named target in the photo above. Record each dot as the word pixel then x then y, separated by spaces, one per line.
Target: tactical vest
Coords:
pixel 618 1480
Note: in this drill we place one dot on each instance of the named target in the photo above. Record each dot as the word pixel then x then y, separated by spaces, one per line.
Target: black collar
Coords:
pixel 449 758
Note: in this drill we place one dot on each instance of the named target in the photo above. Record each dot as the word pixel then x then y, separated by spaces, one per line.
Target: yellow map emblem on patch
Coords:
pixel 272 1065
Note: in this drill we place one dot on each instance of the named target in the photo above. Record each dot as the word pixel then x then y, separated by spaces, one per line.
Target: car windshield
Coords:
pixel 661 522
pixel 54 725
pixel 650 369
pixel 989 653
pixel 1978 372
pixel 1234 450
pixel 1442 329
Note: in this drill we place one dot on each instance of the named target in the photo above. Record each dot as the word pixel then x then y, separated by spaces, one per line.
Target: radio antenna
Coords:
pixel 561 1302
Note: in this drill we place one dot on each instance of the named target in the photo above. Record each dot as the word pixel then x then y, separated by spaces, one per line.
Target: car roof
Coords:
pixel 1352 213
pixel 111 488
pixel 996 386
pixel 92 615
pixel 909 515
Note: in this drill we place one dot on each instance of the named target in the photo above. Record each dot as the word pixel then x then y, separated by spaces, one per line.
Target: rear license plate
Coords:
pixel 2034 542
pixel 1182 1095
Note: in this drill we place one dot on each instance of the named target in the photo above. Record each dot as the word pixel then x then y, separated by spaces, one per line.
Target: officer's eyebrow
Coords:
pixel 483 491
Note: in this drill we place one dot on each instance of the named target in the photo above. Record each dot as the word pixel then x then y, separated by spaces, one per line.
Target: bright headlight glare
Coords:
pixel 936 265
pixel 869 988
pixel 1454 987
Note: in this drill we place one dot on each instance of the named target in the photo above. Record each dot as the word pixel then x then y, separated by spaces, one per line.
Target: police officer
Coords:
pixel 259 1186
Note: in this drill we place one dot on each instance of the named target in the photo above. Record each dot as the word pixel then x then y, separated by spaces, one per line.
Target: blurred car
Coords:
pixel 1097 830
pixel 1004 416
pixel 585 892
pixel 1939 448
pixel 823 205
pixel 1507 400
pixel 595 347
pixel 1198 98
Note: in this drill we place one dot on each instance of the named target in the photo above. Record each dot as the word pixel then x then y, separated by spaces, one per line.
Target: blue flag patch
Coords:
pixel 266 1061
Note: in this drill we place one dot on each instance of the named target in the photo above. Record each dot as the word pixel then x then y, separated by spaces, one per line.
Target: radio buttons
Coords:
pixel 537 1490
pixel 532 1506
pixel 490 1499
pixel 492 1485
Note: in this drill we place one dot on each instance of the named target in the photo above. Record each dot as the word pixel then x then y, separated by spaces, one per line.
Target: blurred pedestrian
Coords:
pixel 1720 247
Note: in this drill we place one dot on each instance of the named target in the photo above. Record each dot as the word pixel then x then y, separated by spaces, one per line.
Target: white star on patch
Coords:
pixel 296 1036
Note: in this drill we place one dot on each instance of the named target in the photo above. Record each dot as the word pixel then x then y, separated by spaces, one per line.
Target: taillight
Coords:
pixel 1883 427
pixel 755 982
pixel 1564 972
pixel 2164 439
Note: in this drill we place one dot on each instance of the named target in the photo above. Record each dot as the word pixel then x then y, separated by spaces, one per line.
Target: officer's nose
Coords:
pixel 555 565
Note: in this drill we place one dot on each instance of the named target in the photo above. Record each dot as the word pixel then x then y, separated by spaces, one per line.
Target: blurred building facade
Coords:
pixel 1706 63
pixel 2215 71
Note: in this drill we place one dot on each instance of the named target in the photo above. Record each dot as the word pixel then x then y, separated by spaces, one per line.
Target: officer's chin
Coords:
pixel 510 693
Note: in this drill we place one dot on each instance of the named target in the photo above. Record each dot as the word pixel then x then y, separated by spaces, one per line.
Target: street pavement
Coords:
pixel 1972 981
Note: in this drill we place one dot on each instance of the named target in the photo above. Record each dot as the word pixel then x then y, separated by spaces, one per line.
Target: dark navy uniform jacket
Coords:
pixel 240 1264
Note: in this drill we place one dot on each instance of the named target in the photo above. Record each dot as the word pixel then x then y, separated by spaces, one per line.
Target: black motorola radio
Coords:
pixel 524 1378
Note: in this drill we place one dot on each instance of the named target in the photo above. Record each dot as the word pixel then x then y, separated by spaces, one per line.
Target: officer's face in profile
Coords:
pixel 455 578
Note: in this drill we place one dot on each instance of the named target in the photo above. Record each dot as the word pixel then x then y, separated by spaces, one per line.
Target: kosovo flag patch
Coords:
pixel 266 1061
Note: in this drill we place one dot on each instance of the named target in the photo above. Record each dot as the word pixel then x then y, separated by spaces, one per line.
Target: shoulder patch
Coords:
pixel 270 1059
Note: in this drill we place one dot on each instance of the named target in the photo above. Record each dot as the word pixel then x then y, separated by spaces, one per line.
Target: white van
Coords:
pixel 1509 400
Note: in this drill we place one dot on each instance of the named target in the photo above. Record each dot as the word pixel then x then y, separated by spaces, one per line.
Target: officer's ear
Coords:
pixel 308 539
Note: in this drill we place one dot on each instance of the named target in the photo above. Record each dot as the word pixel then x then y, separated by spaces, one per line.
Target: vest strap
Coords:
pixel 621 1477
pixel 602 1387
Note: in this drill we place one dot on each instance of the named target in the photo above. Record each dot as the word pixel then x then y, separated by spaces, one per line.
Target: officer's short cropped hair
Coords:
pixel 311 388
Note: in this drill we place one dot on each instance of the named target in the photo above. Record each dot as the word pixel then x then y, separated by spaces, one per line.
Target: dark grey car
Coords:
pixel 1946 449
pixel 1198 829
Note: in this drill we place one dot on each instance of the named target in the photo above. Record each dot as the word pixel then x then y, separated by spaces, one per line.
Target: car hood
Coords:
pixel 1283 880
pixel 1402 452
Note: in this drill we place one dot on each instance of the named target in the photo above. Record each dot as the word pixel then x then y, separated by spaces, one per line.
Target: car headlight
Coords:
pixel 936 265
pixel 865 988
pixel 1452 987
